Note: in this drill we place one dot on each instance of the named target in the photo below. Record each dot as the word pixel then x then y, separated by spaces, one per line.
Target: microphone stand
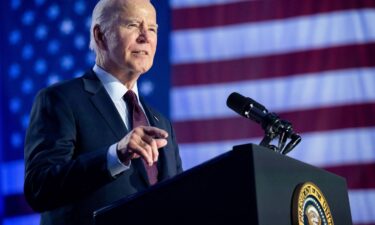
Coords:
pixel 274 127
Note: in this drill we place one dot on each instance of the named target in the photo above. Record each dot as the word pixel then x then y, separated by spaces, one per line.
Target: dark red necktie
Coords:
pixel 139 119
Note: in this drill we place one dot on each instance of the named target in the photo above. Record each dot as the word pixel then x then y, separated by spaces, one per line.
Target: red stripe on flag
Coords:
pixel 358 176
pixel 252 11
pixel 310 120
pixel 271 66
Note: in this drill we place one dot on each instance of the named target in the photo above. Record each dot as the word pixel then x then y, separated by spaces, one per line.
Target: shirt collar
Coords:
pixel 112 85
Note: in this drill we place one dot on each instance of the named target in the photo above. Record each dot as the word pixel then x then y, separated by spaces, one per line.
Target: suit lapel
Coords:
pixel 104 104
pixel 107 109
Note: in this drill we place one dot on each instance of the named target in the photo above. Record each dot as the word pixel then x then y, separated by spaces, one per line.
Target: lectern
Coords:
pixel 247 185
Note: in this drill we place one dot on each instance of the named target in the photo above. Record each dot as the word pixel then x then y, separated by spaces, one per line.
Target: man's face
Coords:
pixel 133 38
pixel 313 218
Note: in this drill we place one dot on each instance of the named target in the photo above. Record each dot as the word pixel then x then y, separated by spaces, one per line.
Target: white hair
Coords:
pixel 104 14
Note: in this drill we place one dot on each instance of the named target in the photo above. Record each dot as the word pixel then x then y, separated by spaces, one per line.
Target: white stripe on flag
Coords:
pixel 338 147
pixel 197 153
pixel 315 90
pixel 271 37
pixel 362 206
pixel 323 149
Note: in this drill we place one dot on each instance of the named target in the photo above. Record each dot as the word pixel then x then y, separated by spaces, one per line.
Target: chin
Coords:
pixel 144 69
pixel 141 71
pixel 138 68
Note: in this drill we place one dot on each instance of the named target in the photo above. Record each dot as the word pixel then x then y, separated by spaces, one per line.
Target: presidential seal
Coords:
pixel 310 207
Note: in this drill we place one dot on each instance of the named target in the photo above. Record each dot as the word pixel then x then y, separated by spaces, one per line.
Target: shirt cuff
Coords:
pixel 114 165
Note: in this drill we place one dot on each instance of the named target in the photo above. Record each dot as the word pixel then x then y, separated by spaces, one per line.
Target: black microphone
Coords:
pixel 247 107
pixel 270 122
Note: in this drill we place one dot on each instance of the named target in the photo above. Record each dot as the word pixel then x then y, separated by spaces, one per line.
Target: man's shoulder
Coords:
pixel 69 88
pixel 75 83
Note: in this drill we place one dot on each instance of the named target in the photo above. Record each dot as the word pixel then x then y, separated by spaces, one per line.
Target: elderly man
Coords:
pixel 92 140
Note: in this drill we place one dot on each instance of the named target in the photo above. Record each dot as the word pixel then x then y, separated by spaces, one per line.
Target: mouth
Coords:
pixel 140 52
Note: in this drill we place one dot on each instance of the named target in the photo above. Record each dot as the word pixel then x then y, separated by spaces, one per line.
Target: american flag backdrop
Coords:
pixel 312 62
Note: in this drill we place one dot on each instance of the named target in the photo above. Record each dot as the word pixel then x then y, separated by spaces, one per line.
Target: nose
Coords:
pixel 143 35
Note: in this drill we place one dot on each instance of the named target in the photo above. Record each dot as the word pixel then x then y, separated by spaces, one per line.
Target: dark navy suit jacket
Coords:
pixel 72 125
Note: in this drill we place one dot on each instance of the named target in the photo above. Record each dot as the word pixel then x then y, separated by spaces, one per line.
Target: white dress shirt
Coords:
pixel 116 91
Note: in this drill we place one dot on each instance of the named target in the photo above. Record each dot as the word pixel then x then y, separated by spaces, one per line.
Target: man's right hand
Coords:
pixel 144 142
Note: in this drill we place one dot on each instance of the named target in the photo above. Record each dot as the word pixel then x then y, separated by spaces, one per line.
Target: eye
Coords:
pixel 153 29
pixel 132 25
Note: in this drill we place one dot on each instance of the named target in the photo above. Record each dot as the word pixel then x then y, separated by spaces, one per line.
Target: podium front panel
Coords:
pixel 247 185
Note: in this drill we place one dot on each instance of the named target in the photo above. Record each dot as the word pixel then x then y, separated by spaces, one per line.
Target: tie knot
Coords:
pixel 131 97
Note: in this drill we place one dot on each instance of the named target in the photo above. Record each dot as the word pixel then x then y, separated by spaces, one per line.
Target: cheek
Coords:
pixel 153 47
pixel 155 42
pixel 122 41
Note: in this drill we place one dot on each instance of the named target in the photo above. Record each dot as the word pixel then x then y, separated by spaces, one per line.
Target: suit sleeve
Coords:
pixel 56 172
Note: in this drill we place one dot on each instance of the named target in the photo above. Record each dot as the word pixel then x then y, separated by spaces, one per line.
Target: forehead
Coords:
pixel 138 9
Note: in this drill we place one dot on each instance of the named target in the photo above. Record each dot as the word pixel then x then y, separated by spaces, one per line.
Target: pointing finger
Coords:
pixel 155 132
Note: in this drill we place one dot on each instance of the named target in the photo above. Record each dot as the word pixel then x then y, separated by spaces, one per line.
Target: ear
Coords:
pixel 99 37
